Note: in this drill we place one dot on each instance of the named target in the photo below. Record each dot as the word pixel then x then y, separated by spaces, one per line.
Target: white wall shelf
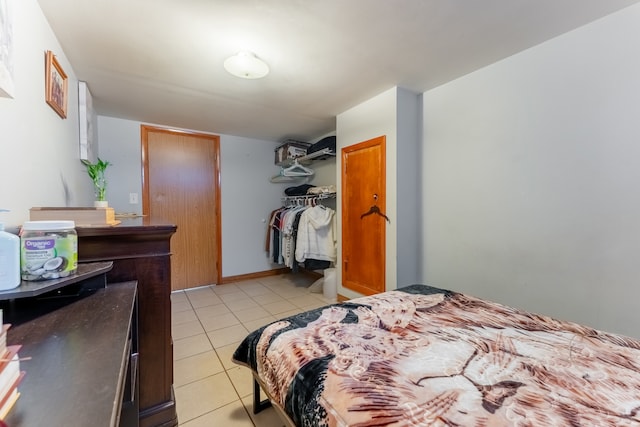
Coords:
pixel 282 177
pixel 308 158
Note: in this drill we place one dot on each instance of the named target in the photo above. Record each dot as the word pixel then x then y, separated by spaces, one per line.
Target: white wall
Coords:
pixel 119 144
pixel 532 178
pixel 247 196
pixel 39 151
pixel 408 188
pixel 394 114
pixel 371 119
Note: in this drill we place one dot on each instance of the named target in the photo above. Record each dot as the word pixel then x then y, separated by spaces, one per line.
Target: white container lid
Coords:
pixel 48 225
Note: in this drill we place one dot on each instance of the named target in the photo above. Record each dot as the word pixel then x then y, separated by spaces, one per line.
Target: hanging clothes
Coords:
pixel 288 232
pixel 302 233
pixel 316 237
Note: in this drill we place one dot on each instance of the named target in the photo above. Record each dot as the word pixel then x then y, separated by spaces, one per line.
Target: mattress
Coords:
pixel 425 356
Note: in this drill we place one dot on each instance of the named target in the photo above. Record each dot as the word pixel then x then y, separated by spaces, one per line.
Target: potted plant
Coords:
pixel 96 173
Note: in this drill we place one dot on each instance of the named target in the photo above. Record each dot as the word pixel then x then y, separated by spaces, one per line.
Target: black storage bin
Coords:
pixel 327 142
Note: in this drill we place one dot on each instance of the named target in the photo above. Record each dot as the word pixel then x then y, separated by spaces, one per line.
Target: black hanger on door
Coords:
pixel 374 209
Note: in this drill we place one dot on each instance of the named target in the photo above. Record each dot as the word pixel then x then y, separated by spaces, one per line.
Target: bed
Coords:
pixel 431 357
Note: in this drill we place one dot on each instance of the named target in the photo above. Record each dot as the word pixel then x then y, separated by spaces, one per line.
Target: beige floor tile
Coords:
pixel 304 280
pixel 183 317
pixel 272 286
pixel 231 415
pixel 180 306
pixel 241 304
pixel 291 292
pixel 290 313
pixel 196 367
pixel 255 289
pixel 252 313
pixel 320 296
pixel 252 325
pixel 273 280
pixel 233 296
pixel 292 281
pixel 266 418
pixel 191 346
pixel 205 300
pixel 198 292
pixel 187 329
pixel 212 310
pixel 178 296
pixel 242 380
pixel 247 282
pixel 212 323
pixel 228 335
pixel 304 300
pixel 225 289
pixel 225 353
pixel 276 281
pixel 327 300
pixel 275 308
pixel 210 389
pixel 202 396
pixel 267 298
pixel 315 305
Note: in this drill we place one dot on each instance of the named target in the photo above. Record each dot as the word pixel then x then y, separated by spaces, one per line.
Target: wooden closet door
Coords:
pixel 182 187
pixel 364 237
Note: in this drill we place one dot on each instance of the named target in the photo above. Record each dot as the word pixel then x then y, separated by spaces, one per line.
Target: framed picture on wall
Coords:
pixel 55 85
pixel 87 120
pixel 6 49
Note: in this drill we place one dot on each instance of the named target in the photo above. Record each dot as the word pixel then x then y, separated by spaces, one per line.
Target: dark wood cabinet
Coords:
pixel 80 342
pixel 141 252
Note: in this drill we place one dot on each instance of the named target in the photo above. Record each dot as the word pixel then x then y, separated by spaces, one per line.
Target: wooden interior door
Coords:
pixel 364 235
pixel 181 186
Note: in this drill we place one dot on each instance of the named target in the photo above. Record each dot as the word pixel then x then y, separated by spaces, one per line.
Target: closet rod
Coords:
pixel 306 198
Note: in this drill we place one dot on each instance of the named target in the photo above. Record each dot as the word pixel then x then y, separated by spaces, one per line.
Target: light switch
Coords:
pixel 133 198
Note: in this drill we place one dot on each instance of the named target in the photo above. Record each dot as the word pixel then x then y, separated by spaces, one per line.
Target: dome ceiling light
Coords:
pixel 246 65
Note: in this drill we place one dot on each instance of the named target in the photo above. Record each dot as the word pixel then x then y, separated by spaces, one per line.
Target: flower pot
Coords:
pixel 100 204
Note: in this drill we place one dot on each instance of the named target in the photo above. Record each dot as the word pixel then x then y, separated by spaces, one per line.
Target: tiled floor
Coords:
pixel 208 324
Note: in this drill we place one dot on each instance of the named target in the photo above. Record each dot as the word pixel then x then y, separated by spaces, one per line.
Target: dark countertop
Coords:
pixel 79 352
pixel 32 289
pixel 127 226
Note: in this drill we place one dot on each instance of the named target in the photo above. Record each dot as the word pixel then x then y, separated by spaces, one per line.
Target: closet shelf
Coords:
pixel 291 170
pixel 283 179
pixel 307 158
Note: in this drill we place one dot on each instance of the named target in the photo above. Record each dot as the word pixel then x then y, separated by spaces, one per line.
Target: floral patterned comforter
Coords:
pixel 429 357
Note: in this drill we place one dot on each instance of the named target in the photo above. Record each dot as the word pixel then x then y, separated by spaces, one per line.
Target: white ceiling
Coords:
pixel 160 61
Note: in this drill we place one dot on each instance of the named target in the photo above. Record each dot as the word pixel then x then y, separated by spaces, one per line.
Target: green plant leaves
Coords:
pixel 96 173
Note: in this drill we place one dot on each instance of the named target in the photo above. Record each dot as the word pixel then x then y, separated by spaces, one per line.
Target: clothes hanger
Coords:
pixel 296 169
pixel 374 209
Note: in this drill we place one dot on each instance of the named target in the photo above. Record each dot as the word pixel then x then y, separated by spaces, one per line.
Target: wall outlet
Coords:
pixel 133 198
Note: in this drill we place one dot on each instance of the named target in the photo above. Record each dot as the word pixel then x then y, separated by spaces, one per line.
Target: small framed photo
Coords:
pixel 55 85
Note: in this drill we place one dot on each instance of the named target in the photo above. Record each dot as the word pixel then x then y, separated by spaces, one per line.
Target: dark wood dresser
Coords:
pixel 80 342
pixel 140 251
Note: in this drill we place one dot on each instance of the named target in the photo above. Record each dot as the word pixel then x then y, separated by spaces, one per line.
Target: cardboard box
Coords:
pixel 83 217
pixel 290 150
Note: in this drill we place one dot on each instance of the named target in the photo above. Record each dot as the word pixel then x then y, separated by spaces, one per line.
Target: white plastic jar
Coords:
pixel 9 260
pixel 48 250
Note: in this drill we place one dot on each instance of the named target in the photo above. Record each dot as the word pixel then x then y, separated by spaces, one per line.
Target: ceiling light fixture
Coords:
pixel 246 65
